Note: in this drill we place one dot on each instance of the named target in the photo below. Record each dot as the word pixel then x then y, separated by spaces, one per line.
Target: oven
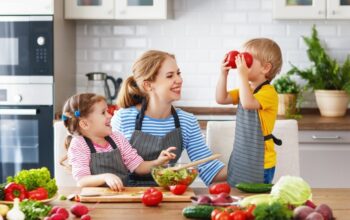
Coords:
pixel 26 93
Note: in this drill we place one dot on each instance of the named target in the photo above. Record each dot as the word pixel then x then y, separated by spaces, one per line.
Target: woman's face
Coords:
pixel 168 83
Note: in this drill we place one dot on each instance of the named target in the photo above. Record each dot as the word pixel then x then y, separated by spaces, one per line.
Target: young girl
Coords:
pixel 97 155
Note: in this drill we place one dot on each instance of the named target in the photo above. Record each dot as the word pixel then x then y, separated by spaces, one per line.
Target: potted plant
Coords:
pixel 329 80
pixel 288 91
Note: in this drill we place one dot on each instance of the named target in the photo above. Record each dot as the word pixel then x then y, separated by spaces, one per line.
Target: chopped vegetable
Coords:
pixel 34 178
pixel 14 190
pixel 291 190
pixel 34 210
pixel 275 211
pixel 167 177
pixel 38 194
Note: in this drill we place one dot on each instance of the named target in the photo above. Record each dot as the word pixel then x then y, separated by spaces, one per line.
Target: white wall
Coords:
pixel 200 33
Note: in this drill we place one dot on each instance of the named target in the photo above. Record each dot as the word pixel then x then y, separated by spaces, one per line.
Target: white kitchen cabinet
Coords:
pixel 26 7
pixel 89 9
pixel 142 9
pixel 311 9
pixel 325 158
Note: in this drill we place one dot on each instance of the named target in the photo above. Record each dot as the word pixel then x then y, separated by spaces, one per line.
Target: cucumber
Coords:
pixel 254 187
pixel 198 211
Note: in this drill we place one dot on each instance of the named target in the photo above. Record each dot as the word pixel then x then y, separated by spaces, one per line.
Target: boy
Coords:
pixel 253 158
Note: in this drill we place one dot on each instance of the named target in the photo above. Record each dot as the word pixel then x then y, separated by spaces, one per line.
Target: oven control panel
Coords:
pixel 30 94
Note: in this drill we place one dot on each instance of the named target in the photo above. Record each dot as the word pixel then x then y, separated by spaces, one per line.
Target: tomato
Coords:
pixel 214 213
pixel 249 212
pixel 238 215
pixel 111 109
pixel 222 216
pixel 152 197
pixel 178 189
pixel 218 188
pixel 231 208
pixel 231 58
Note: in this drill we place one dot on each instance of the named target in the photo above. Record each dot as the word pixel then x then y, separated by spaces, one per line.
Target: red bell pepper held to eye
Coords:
pixel 14 190
pixel 38 194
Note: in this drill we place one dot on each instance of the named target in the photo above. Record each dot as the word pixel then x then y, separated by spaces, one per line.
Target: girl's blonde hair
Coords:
pixel 80 105
pixel 267 51
pixel 145 68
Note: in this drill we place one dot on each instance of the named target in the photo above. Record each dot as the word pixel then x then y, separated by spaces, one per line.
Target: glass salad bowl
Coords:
pixel 166 177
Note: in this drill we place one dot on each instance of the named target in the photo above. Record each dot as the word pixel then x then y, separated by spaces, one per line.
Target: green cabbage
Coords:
pixel 291 190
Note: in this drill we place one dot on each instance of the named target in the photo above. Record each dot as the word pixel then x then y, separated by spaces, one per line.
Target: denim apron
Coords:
pixel 107 162
pixel 149 146
pixel 246 162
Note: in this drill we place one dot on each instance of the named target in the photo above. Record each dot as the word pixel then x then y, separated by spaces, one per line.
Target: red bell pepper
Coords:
pixel 14 190
pixel 38 194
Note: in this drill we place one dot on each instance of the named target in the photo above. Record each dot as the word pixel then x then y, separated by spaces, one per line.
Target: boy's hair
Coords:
pixel 80 105
pixel 267 51
pixel 145 68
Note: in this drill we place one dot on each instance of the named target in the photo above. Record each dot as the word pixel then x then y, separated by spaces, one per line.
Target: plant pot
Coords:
pixel 332 103
pixel 287 104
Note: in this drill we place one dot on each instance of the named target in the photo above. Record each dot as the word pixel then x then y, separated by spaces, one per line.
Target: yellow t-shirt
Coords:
pixel 268 99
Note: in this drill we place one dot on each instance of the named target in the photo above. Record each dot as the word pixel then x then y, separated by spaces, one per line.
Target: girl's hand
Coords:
pixel 114 182
pixel 165 156
pixel 224 65
pixel 241 65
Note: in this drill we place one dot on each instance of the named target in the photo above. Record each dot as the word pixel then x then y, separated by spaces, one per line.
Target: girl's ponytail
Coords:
pixel 129 94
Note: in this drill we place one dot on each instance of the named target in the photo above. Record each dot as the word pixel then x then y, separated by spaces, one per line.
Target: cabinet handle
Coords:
pixel 326 138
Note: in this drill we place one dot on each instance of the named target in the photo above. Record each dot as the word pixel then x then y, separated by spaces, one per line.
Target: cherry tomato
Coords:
pixel 214 213
pixel 219 188
pixel 222 216
pixel 238 215
pixel 152 197
pixel 178 189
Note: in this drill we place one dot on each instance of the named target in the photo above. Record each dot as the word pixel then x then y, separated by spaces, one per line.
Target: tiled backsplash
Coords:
pixel 200 33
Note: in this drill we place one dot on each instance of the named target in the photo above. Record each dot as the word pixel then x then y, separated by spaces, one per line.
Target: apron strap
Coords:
pixel 90 144
pixel 111 142
pixel 140 116
pixel 275 140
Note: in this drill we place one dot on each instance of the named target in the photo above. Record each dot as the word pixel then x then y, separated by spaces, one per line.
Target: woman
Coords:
pixel 150 122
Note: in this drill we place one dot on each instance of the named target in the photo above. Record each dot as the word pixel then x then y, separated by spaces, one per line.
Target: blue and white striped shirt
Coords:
pixel 124 122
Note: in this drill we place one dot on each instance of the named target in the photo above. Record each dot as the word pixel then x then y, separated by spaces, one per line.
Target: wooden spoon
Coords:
pixel 195 163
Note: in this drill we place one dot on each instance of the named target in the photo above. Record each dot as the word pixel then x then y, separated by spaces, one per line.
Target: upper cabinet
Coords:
pixel 89 9
pixel 311 9
pixel 117 9
pixel 26 7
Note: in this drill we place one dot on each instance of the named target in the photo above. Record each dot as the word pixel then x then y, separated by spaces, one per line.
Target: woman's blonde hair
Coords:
pixel 77 106
pixel 267 51
pixel 145 68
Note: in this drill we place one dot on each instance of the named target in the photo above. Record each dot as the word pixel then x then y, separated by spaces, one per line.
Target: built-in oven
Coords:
pixel 26 93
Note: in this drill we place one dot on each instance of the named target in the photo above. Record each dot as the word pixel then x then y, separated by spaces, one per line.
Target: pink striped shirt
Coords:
pixel 79 155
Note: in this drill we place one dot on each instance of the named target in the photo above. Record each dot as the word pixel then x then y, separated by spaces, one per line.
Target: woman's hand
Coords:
pixel 165 156
pixel 113 181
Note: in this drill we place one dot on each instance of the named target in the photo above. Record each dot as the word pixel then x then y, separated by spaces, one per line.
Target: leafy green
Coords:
pixel 275 211
pixel 166 177
pixel 35 178
pixel 325 73
pixel 34 210
pixel 257 199
pixel 291 190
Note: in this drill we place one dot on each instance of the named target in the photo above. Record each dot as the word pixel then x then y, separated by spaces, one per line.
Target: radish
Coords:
pixel 85 217
pixel 79 210
pixel 57 217
pixel 63 212
pixel 54 210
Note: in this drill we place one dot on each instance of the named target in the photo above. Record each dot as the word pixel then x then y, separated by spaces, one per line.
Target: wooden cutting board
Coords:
pixel 130 194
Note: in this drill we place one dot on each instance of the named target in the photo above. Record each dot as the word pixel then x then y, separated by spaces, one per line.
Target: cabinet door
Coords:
pixel 141 9
pixel 324 158
pixel 89 9
pixel 299 9
pixel 338 9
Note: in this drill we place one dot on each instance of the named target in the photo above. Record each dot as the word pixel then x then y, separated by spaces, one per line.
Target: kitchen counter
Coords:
pixel 337 199
pixel 310 120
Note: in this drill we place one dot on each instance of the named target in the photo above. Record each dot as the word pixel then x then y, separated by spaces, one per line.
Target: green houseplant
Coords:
pixel 329 80
pixel 288 95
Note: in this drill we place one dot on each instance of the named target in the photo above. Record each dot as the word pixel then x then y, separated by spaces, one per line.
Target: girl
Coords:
pixel 150 121
pixel 96 154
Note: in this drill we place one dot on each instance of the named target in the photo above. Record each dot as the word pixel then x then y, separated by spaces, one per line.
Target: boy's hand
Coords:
pixel 114 182
pixel 165 156
pixel 224 65
pixel 242 67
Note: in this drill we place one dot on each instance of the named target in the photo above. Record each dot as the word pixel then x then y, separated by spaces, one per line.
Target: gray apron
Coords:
pixel 246 162
pixel 149 146
pixel 107 162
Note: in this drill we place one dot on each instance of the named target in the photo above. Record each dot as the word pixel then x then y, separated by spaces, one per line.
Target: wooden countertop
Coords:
pixel 310 120
pixel 337 199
